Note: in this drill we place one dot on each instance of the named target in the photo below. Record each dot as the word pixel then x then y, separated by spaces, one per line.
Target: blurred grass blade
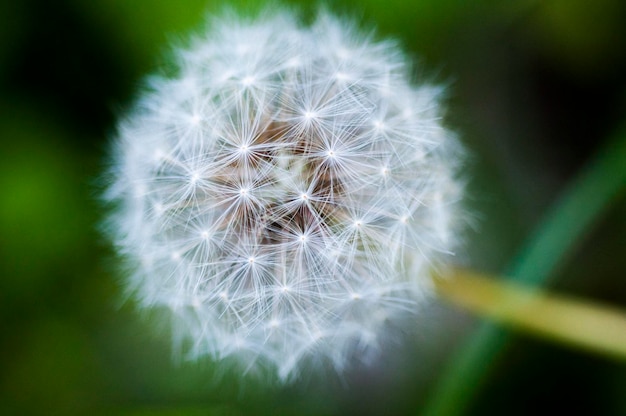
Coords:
pixel 594 327
pixel 587 197
pixel 569 220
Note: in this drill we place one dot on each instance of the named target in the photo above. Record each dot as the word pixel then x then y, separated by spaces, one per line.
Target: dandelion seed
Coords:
pixel 286 193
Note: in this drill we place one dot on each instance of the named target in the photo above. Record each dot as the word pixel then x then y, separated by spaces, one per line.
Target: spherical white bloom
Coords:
pixel 286 193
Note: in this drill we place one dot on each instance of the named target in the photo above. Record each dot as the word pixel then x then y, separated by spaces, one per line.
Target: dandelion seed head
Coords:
pixel 286 193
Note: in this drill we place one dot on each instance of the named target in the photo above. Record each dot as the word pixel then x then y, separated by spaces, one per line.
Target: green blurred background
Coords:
pixel 535 87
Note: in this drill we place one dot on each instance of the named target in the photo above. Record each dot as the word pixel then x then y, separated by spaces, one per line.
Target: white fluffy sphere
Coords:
pixel 286 193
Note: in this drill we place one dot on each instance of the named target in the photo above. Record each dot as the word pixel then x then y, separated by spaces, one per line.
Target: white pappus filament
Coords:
pixel 286 193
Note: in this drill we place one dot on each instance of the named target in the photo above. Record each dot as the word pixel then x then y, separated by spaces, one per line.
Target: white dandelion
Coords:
pixel 286 193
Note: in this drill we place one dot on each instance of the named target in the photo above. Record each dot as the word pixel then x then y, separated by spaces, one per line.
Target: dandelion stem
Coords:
pixel 575 322
pixel 565 224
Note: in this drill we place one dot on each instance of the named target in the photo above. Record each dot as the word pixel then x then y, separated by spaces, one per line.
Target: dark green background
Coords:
pixel 534 89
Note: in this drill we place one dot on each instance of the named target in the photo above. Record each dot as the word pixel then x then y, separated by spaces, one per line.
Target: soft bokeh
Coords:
pixel 534 88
